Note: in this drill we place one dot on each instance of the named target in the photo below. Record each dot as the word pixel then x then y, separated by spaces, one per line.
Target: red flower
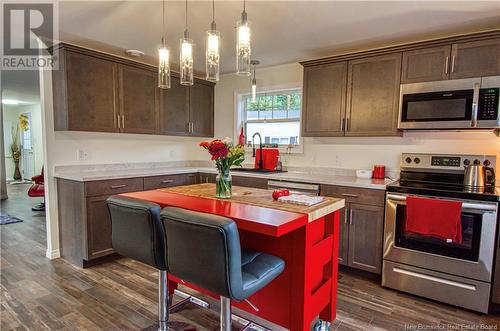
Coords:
pixel 204 144
pixel 218 149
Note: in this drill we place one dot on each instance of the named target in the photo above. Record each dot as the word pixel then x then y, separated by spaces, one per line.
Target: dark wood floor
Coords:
pixel 39 294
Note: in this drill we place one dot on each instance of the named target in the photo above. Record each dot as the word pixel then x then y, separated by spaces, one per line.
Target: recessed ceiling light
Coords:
pixel 10 102
pixel 134 52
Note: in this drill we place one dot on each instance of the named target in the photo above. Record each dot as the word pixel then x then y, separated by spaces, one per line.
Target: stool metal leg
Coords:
pixel 225 314
pixel 162 301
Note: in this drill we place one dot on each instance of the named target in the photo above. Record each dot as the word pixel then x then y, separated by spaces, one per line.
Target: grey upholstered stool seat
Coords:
pixel 138 233
pixel 204 249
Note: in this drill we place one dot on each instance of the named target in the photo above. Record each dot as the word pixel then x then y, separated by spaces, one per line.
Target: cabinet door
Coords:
pixel 365 237
pixel 174 109
pixel 250 182
pixel 343 236
pixel 475 59
pixel 207 178
pixel 424 65
pixel 202 109
pixel 91 93
pixel 138 100
pixel 373 95
pixel 98 228
pixel 324 100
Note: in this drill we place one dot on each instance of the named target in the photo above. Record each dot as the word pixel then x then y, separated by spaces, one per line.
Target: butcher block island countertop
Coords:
pixel 252 209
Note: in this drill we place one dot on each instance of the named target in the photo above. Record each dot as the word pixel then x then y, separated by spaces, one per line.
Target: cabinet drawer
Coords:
pixel 113 186
pixel 156 182
pixel 250 182
pixel 354 194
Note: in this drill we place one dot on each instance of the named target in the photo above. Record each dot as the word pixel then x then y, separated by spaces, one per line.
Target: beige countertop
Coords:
pixel 314 177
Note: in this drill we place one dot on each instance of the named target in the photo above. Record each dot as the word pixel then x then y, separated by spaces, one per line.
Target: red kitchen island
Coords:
pixel 305 237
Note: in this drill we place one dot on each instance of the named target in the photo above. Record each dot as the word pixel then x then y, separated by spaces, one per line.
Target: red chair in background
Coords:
pixel 37 190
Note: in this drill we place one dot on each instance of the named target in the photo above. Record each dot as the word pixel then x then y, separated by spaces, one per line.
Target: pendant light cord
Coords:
pixel 186 14
pixel 213 10
pixel 163 22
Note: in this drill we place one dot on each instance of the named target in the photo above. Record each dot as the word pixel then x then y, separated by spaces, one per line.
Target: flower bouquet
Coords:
pixel 226 155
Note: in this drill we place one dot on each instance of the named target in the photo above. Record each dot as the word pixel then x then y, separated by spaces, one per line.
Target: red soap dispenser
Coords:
pixel 241 139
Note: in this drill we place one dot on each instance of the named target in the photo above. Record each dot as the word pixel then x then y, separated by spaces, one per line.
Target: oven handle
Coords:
pixel 466 205
pixel 475 104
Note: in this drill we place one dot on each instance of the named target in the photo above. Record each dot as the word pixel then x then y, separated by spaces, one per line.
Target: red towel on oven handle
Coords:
pixel 434 217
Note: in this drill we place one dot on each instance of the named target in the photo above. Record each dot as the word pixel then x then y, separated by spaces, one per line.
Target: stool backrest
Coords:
pixel 137 231
pixel 203 249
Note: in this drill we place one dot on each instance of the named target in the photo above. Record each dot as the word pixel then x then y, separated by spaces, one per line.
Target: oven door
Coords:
pixel 439 105
pixel 473 258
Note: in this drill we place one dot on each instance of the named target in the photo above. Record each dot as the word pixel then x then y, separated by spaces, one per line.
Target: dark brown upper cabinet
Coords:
pixel 475 59
pixel 428 64
pixel 373 96
pixel 324 100
pixel 138 94
pixel 99 92
pixel 201 109
pixel 85 93
pixel 174 109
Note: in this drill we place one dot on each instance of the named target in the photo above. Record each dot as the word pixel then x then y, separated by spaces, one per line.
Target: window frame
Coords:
pixel 240 119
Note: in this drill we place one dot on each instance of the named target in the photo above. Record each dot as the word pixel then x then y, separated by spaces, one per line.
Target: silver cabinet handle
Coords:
pixel 446 63
pixel 350 217
pixel 166 181
pixel 192 127
pixel 347 124
pixel 342 124
pixel 123 121
pixel 349 195
pixel 475 104
pixel 118 121
pixel 453 63
pixel 346 216
pixel 117 186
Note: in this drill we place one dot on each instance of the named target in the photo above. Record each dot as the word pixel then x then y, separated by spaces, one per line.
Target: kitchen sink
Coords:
pixel 260 171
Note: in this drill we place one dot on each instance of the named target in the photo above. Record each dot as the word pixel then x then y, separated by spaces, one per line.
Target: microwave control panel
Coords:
pixel 488 104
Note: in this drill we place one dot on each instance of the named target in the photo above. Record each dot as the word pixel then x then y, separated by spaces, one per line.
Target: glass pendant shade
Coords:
pixel 164 67
pixel 254 90
pixel 212 55
pixel 186 62
pixel 243 49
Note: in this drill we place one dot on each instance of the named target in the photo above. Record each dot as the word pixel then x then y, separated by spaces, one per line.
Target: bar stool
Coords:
pixel 138 233
pixel 204 249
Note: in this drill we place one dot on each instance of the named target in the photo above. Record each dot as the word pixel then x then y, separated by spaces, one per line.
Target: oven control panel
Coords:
pixel 453 162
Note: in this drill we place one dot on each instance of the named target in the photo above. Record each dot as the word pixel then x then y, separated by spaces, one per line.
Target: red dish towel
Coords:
pixel 434 217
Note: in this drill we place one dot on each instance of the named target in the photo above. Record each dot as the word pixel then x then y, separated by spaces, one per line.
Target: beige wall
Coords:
pixel 351 153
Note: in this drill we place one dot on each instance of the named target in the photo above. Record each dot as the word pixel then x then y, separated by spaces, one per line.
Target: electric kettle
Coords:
pixel 477 176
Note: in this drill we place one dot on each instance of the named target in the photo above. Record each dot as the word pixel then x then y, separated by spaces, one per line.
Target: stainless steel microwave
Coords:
pixel 471 103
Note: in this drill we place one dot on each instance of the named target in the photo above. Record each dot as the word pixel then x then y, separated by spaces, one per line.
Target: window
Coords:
pixel 275 115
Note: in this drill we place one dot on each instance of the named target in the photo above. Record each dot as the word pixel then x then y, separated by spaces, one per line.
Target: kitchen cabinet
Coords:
pixel 138 94
pixel 99 92
pixel 475 59
pixel 84 220
pixel 253 182
pixel 201 109
pixel 207 178
pixel 425 65
pixel 361 226
pixel 373 96
pixel 84 91
pixel 174 109
pixel 324 100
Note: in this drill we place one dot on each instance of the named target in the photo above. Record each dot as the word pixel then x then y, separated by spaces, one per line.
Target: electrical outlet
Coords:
pixel 82 155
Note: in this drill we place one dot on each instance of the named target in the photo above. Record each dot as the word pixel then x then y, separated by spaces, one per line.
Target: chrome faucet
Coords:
pixel 260 164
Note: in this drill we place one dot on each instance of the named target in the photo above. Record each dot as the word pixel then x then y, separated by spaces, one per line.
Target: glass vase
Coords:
pixel 223 185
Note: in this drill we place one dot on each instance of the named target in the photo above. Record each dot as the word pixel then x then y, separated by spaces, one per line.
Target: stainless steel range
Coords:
pixel 458 273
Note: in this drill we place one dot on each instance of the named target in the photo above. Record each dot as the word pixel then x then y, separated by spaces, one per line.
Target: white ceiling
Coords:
pixel 282 31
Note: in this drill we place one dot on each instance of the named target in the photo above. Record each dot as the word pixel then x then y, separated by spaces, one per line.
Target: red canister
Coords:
pixel 379 172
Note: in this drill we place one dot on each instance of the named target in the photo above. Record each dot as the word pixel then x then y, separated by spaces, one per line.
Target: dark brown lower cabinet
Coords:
pixel 361 227
pixel 207 178
pixel 366 224
pixel 84 220
pixel 250 182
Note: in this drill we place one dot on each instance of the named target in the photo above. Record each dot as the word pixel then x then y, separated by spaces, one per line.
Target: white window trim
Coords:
pixel 238 119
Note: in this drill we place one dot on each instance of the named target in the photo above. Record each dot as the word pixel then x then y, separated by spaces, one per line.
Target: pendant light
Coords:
pixel 254 63
pixel 243 49
pixel 212 52
pixel 164 57
pixel 186 56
